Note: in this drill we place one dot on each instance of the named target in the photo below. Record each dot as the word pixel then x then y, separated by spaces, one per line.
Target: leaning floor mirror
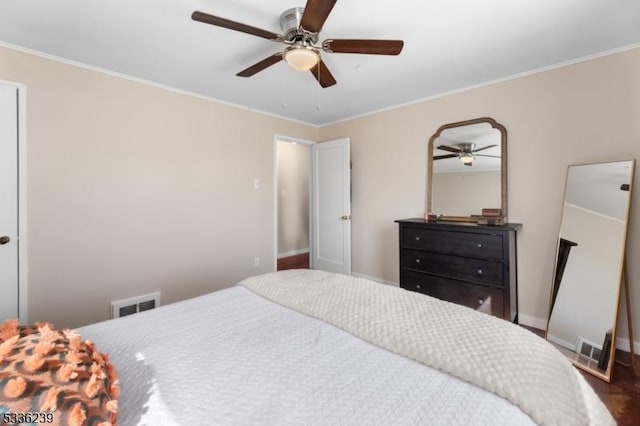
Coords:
pixel 589 268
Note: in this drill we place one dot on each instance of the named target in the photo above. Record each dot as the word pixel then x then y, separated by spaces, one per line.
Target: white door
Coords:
pixel 331 206
pixel 8 202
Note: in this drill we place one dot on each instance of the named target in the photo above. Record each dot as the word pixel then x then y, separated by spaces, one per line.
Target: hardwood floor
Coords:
pixel 300 261
pixel 622 395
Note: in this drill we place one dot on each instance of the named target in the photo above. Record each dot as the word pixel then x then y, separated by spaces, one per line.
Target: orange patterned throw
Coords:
pixel 43 370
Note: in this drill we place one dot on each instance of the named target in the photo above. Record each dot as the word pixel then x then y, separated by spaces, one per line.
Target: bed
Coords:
pixel 311 347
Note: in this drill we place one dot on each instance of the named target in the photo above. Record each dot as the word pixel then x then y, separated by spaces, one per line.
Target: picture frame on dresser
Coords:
pixel 468 264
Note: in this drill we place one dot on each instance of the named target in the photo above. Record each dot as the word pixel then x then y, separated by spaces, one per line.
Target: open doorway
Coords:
pixel 293 172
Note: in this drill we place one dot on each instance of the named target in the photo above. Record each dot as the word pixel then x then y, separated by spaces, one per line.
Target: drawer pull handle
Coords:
pixel 479 245
pixel 480 301
pixel 417 260
pixel 418 286
pixel 480 272
pixel 418 238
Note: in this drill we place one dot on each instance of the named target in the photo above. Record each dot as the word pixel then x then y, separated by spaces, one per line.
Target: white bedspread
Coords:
pixel 486 351
pixel 234 358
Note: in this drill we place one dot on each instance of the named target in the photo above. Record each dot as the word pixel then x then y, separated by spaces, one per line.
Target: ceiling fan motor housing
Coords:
pixel 467 146
pixel 290 21
pixel 290 24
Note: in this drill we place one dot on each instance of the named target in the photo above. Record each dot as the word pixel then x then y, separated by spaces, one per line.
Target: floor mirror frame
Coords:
pixel 576 358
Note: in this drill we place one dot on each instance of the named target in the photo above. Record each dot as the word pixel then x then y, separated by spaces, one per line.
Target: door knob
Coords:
pixel 345 217
pixel 4 240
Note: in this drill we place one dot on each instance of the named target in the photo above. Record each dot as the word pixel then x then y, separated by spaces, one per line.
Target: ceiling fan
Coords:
pixel 301 27
pixel 466 152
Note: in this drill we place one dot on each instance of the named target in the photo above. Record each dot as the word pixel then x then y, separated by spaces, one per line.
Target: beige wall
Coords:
pixel 294 162
pixel 132 189
pixel 466 193
pixel 587 112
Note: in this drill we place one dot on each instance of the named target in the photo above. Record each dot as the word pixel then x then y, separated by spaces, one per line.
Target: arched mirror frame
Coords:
pixel 503 161
pixel 604 375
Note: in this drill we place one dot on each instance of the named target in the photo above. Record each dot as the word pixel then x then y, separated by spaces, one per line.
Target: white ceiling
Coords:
pixel 483 135
pixel 449 45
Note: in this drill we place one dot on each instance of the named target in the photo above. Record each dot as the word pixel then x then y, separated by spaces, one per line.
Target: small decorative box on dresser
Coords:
pixel 469 264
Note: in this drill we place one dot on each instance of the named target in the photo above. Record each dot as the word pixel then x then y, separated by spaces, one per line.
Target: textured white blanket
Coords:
pixel 486 351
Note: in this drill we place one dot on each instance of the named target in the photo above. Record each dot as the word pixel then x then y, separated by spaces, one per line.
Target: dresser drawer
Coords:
pixel 465 269
pixel 485 299
pixel 484 246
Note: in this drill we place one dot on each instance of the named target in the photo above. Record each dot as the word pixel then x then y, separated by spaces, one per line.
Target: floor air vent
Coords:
pixel 133 305
pixel 588 349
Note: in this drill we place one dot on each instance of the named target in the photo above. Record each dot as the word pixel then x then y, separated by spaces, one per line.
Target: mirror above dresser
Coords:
pixel 467 169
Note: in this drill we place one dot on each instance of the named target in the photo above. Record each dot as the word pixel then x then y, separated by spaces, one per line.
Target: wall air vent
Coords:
pixel 133 305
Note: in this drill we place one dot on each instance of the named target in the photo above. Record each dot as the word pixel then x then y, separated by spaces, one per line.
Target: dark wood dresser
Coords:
pixel 469 264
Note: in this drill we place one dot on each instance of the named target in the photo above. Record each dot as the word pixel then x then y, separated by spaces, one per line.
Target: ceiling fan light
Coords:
pixel 466 158
pixel 301 58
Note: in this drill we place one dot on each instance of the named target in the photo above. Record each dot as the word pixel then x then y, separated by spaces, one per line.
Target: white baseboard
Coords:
pixel 293 253
pixel 625 345
pixel 568 345
pixel 380 280
pixel 531 321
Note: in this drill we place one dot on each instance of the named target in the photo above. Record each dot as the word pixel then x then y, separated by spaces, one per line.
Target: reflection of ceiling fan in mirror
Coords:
pixel 466 152
pixel 301 27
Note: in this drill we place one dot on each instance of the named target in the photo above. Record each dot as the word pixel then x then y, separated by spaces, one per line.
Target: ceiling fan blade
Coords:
pixel 232 25
pixel 485 155
pixel 257 67
pixel 448 148
pixel 484 147
pixel 315 13
pixel 323 75
pixel 442 157
pixel 370 47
